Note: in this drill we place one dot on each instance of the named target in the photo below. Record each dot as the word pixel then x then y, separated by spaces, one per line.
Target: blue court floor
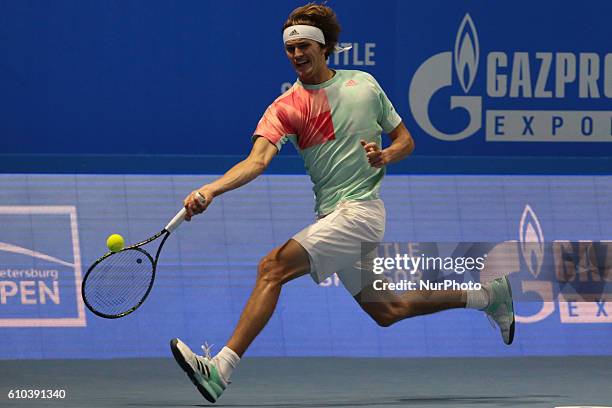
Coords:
pixel 321 382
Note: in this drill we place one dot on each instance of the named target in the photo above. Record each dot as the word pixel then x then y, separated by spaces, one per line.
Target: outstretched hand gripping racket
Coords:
pixel 119 282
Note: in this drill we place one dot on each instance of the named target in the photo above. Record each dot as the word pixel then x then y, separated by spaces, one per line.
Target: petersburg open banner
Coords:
pixel 470 79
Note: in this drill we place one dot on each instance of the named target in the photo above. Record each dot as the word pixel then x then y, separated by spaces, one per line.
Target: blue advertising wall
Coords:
pixel 134 88
pixel 60 223
pixel 147 81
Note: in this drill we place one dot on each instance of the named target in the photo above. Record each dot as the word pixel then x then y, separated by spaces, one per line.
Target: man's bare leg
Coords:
pixel 281 265
pixel 211 376
pixel 495 299
pixel 387 307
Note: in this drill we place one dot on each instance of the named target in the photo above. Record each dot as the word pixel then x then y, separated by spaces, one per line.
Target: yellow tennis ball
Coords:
pixel 115 242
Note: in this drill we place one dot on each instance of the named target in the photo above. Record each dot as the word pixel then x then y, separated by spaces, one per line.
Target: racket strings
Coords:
pixel 119 282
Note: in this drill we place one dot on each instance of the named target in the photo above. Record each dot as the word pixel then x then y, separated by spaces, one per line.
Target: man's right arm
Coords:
pixel 247 170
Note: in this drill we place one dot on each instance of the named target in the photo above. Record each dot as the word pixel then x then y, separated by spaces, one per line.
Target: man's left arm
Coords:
pixel 401 146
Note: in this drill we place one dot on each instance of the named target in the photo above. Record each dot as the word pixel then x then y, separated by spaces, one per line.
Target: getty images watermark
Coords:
pixel 541 271
pixel 422 266
pixel 418 266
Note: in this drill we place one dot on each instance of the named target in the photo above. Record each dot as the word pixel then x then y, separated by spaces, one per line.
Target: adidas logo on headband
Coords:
pixel 301 31
pixel 311 33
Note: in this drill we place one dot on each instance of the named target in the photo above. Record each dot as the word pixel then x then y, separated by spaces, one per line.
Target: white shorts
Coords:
pixel 334 242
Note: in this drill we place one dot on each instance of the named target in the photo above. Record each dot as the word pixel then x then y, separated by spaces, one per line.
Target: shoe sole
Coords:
pixel 511 334
pixel 202 388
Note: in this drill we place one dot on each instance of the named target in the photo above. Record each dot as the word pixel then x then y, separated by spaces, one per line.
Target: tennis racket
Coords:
pixel 119 282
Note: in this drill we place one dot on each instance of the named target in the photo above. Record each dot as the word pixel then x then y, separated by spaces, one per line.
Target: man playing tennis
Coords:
pixel 334 118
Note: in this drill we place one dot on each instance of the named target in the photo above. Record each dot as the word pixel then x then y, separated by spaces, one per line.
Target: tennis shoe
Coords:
pixel 501 309
pixel 201 370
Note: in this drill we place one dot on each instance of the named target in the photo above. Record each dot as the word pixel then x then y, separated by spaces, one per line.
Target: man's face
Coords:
pixel 308 59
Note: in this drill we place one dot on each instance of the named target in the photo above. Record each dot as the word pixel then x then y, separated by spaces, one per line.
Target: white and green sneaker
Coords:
pixel 500 308
pixel 201 370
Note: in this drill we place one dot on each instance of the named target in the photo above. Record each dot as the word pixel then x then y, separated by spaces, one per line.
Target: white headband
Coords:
pixel 309 32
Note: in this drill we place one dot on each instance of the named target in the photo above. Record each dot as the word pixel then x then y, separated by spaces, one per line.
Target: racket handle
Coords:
pixel 176 221
pixel 180 216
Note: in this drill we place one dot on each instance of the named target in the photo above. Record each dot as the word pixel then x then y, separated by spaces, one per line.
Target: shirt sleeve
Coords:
pixel 388 118
pixel 273 127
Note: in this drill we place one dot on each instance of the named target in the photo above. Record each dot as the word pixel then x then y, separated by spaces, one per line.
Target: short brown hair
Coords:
pixel 320 16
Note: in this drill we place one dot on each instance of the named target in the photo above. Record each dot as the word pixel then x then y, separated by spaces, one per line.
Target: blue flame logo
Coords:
pixel 466 53
pixel 532 241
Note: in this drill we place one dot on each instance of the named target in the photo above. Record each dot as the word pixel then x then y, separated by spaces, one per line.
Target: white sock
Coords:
pixel 476 299
pixel 226 361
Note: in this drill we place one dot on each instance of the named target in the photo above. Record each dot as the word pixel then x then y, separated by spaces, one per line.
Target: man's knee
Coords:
pixel 383 319
pixel 270 269
pixel 386 314
pixel 283 264
pixel 381 313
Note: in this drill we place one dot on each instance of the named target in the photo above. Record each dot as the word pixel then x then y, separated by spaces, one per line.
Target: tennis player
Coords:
pixel 334 118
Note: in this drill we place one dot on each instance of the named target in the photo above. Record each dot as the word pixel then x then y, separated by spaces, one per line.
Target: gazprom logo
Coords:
pixel 522 79
pixel 437 73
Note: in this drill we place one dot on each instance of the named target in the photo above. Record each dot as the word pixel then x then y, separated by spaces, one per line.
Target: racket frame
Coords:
pixel 133 247
pixel 172 225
